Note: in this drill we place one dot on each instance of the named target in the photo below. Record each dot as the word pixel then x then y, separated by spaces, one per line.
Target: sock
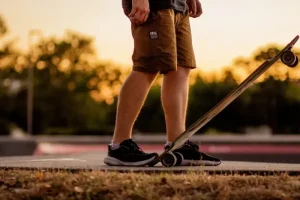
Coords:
pixel 168 143
pixel 114 146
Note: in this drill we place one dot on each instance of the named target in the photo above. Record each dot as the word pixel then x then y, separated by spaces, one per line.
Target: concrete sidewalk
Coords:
pixel 94 161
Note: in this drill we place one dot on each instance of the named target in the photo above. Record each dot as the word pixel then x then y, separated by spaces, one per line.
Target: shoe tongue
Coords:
pixel 129 143
pixel 189 143
pixel 125 142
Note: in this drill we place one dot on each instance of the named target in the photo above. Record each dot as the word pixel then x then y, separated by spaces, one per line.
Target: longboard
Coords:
pixel 168 159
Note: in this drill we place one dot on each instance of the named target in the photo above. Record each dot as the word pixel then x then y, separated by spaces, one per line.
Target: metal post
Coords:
pixel 30 88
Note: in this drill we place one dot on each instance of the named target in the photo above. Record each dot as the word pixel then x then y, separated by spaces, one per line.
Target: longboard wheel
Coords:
pixel 179 157
pixel 289 58
pixel 168 160
pixel 295 64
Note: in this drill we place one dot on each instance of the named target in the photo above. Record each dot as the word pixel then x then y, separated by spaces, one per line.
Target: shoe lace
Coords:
pixel 133 147
pixel 190 144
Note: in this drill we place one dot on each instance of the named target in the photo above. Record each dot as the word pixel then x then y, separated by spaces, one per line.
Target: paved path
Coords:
pixel 94 161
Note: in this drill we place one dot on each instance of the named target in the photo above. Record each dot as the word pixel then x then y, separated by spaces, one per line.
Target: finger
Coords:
pixel 133 12
pixel 137 16
pixel 145 17
pixel 142 16
pixel 192 14
pixel 140 20
pixel 190 8
pixel 194 7
pixel 199 9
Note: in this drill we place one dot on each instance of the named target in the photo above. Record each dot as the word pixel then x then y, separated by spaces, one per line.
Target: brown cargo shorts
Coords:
pixel 163 42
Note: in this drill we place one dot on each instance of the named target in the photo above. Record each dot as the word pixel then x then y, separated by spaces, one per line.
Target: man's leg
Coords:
pixel 174 96
pixel 154 51
pixel 123 150
pixel 175 91
pixel 131 99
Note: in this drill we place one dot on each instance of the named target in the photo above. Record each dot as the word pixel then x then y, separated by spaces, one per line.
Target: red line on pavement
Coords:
pixel 45 148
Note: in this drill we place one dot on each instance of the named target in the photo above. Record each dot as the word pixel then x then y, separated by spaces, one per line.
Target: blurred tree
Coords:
pixel 68 72
pixel 205 95
pixel 72 88
pixel 274 100
pixel 9 55
pixel 243 66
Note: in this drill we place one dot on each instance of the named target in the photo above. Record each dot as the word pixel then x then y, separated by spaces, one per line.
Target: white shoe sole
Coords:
pixel 200 162
pixel 116 162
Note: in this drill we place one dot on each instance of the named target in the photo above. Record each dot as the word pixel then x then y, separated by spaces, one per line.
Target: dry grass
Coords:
pixel 18 184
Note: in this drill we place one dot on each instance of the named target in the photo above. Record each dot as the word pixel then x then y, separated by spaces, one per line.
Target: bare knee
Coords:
pixel 181 73
pixel 184 71
pixel 145 76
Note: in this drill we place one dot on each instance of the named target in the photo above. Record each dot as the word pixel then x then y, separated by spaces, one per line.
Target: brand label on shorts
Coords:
pixel 153 35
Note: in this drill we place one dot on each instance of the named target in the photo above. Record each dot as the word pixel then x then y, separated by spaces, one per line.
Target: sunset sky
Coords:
pixel 227 28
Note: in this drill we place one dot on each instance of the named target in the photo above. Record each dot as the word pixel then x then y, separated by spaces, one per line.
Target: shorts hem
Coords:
pixel 156 64
pixel 188 66
pixel 144 70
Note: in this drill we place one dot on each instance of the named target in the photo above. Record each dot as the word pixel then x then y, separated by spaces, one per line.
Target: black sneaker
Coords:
pixel 192 156
pixel 128 154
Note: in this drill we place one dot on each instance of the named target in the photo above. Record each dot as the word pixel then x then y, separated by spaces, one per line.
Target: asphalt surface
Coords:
pixel 94 161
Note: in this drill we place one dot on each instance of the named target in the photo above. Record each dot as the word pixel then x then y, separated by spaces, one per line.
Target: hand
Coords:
pixel 139 12
pixel 195 8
